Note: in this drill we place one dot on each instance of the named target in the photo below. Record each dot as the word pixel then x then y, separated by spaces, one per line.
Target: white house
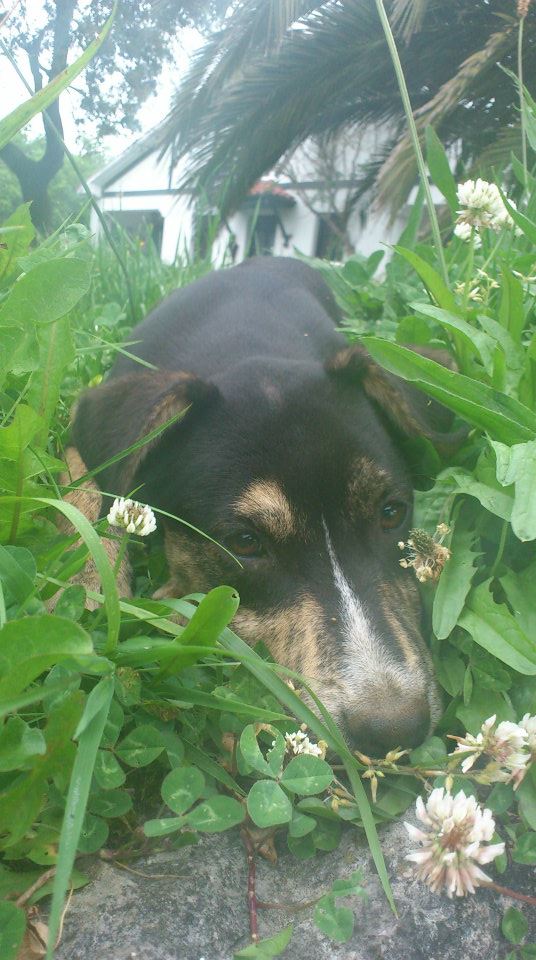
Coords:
pixel 304 206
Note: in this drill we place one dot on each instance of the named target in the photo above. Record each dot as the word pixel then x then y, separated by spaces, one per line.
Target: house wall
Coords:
pixel 147 185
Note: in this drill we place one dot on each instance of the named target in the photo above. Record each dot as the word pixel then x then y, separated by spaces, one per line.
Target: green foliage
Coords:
pixel 108 713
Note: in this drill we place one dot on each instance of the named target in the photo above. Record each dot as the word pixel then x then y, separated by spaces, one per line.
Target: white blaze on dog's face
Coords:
pixel 316 531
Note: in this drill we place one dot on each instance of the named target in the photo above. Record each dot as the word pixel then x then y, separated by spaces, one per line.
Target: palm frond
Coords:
pixel 408 17
pixel 260 88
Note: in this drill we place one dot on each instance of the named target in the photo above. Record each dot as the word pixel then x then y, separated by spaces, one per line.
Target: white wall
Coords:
pixel 300 223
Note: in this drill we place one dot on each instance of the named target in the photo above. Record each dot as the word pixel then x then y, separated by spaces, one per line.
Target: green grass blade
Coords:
pixel 75 807
pixel 22 115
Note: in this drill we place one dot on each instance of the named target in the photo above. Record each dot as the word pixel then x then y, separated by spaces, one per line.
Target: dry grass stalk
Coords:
pixel 523 8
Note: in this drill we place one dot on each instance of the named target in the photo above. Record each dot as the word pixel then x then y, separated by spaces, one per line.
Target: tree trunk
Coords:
pixel 34 176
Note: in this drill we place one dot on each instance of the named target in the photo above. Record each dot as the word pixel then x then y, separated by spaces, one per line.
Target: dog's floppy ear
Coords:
pixel 113 416
pixel 409 410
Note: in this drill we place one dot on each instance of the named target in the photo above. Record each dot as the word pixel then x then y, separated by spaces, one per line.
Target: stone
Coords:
pixel 190 904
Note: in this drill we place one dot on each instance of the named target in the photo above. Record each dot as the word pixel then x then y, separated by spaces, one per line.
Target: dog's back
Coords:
pixel 268 308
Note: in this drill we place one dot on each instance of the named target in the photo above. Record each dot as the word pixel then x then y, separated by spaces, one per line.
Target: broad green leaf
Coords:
pixel 335 922
pixel 22 115
pixel 182 787
pixel 20 432
pixel 111 803
pixel 501 798
pixel 517 465
pixel 301 847
pixel 216 814
pixel 75 808
pixel 213 614
pixel 431 753
pixel 266 949
pixel 503 417
pixel 514 925
pixel 56 352
pixel 141 746
pixel 301 824
pixel 435 285
pixel 511 313
pixel 46 293
pixel 525 225
pixel 513 354
pixel 113 726
pixel 439 168
pixel 493 627
pixel 455 582
pixel 71 603
pixel 163 826
pixel 268 805
pixel 450 669
pixel 30 645
pixel 19 742
pixel 12 928
pixel 474 339
pixel 252 754
pixel 93 834
pixel 526 796
pixel 307 775
pixel 483 704
pixel 17 232
pixel 519 589
pixel 327 835
pixel 108 772
pixel 17 572
pixel 525 848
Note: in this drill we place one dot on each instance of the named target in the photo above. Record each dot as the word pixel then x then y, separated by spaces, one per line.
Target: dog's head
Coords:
pixel 301 476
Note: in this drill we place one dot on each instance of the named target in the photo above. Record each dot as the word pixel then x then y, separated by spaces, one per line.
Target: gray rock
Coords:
pixel 195 907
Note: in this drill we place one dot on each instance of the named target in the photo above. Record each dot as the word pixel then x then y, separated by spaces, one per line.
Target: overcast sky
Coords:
pixel 14 93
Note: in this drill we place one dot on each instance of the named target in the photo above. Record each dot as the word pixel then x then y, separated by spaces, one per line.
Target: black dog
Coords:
pixel 289 455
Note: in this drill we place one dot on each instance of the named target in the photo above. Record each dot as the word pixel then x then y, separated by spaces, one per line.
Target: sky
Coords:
pixel 154 109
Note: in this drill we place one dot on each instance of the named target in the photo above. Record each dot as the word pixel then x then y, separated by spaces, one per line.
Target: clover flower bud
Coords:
pixel 299 742
pixel 425 553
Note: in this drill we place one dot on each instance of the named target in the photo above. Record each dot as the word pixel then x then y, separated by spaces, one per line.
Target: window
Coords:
pixel 140 224
pixel 329 241
pixel 262 235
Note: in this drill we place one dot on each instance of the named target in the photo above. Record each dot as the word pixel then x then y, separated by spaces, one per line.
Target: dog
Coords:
pixel 289 454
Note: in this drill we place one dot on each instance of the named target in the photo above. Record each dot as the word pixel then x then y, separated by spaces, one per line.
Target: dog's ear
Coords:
pixel 408 410
pixel 115 415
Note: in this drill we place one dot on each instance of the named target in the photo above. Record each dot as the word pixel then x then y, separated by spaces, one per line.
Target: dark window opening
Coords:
pixel 329 241
pixel 142 225
pixel 262 236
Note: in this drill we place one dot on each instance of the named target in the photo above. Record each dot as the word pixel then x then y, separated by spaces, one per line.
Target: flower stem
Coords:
pixel 507 892
pixel 522 100
pixel 414 136
pixel 252 896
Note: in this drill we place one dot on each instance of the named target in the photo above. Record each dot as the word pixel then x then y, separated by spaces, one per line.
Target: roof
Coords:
pixel 268 195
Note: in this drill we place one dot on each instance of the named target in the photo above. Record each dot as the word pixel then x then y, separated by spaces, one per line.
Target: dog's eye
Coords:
pixel 393 514
pixel 244 545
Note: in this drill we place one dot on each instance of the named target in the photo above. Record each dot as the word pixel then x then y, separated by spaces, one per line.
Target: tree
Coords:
pixel 116 83
pixel 277 73
pixel 65 199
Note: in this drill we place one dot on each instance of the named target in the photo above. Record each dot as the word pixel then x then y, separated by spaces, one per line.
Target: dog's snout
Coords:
pixel 401 723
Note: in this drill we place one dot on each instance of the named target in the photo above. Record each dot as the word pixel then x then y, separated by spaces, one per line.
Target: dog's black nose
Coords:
pixel 376 733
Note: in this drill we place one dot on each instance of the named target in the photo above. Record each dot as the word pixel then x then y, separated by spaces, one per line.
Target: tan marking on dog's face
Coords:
pixel 366 489
pixel 292 634
pixel 265 504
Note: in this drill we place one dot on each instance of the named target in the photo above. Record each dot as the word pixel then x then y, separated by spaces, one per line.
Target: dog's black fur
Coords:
pixel 289 454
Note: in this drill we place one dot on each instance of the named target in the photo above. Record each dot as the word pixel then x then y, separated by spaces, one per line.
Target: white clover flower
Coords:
pixel 506 747
pixel 528 724
pixel 453 843
pixel 132 516
pixel 482 206
pixel 299 743
pixel 465 231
